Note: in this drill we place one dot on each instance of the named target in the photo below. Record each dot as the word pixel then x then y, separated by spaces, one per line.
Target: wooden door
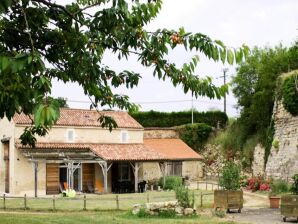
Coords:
pixel 52 178
pixel 88 177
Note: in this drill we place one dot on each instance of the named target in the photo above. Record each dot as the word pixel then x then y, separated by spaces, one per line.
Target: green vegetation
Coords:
pixel 64 42
pixel 171 182
pixel 279 187
pixel 165 119
pixel 112 217
pixel 290 94
pixel 195 135
pixel 185 198
pixel 230 179
pixel 294 187
pixel 255 86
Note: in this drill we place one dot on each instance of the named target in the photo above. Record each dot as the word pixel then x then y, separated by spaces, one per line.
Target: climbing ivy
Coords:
pixel 290 95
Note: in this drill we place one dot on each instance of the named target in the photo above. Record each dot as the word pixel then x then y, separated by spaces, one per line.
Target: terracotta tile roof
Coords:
pixel 109 152
pixel 173 149
pixel 80 117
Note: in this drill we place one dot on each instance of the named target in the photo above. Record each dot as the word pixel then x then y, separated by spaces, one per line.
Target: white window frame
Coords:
pixel 122 133
pixel 73 135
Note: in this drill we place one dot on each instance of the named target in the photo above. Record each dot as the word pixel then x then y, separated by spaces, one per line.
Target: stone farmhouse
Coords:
pixel 79 154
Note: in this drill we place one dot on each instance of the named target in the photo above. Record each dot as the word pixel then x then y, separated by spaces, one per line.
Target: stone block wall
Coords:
pixel 160 133
pixel 283 159
pixel 258 164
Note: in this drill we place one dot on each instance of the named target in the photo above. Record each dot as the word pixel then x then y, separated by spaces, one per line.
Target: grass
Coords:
pixel 99 202
pixel 119 217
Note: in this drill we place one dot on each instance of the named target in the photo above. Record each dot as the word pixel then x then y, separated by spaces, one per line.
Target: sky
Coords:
pixel 255 23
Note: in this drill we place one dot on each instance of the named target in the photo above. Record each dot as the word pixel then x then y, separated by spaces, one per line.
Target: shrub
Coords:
pixel 167 213
pixel 243 181
pixel 230 179
pixel 142 213
pixel 294 187
pixel 184 197
pixel 264 187
pixel 278 187
pixel 171 182
pixel 194 135
pixel 290 95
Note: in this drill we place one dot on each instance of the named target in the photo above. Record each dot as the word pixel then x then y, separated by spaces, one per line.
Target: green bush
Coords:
pixel 279 187
pixel 171 182
pixel 142 213
pixel 165 119
pixel 290 95
pixel 294 187
pixel 194 135
pixel 230 179
pixel 167 213
pixel 184 197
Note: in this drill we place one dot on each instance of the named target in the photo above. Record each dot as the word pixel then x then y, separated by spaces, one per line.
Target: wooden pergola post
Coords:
pixel 105 168
pixel 136 167
pixel 35 165
pixel 162 166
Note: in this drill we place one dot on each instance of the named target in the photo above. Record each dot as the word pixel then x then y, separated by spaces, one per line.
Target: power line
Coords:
pixel 157 102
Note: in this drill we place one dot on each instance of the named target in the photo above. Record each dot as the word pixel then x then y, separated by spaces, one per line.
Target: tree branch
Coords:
pixel 59 7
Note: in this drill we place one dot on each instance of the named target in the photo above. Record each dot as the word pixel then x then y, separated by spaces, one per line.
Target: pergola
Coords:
pixel 73 155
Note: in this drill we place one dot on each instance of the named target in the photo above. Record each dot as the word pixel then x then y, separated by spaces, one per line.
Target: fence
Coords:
pixel 206 185
pixel 95 202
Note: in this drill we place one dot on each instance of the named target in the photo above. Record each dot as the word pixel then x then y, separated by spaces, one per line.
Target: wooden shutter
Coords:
pixel 88 177
pixel 52 178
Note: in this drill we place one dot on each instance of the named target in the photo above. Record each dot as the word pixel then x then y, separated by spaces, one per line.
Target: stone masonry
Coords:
pixel 283 159
pixel 258 164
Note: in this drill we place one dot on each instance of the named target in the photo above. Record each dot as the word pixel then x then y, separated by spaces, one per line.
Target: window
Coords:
pixel 174 168
pixel 124 136
pixel 70 135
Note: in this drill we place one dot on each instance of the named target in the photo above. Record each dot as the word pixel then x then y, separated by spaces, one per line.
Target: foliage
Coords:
pixel 220 213
pixel 258 184
pixel 243 181
pixel 171 182
pixel 279 187
pixel 165 119
pixel 294 187
pixel 41 41
pixel 62 102
pixel 142 213
pixel 194 135
pixel 184 197
pixel 290 94
pixel 264 187
pixel 230 178
pixel 255 86
pixel 167 214
pixel 275 143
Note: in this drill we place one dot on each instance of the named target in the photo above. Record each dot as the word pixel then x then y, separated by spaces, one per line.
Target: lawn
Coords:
pixel 96 217
pixel 100 202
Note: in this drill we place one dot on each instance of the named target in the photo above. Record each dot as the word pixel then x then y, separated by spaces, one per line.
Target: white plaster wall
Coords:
pixel 6 131
pixel 87 135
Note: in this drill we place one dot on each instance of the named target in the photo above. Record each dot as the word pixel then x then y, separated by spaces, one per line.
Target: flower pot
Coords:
pixel 274 201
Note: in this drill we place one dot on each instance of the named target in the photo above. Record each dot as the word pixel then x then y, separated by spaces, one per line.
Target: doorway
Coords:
pixel 68 180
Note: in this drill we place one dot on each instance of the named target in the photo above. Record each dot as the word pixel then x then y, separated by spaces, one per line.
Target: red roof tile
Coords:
pixel 109 152
pixel 80 117
pixel 173 149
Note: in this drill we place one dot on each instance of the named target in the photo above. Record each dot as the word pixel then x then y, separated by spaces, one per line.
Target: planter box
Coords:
pixel 228 200
pixel 289 206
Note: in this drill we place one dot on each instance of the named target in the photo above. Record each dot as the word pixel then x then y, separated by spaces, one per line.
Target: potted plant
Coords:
pixel 274 199
pixel 289 202
pixel 230 197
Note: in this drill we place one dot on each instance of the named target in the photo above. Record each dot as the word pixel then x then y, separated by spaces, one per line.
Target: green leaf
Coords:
pixel 230 56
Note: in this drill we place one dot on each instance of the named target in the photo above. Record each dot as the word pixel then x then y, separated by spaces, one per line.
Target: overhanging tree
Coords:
pixel 41 40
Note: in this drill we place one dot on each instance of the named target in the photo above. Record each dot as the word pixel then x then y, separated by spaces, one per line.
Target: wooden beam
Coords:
pixel 135 168
pixel 35 166
pixel 105 168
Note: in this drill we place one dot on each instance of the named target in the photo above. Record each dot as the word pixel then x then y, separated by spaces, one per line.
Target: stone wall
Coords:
pixel 258 164
pixel 160 133
pixel 283 159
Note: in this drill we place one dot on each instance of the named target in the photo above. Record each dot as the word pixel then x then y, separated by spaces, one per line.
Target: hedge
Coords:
pixel 194 135
pixel 171 119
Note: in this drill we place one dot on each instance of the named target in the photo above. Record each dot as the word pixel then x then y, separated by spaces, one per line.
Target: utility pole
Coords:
pixel 225 97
